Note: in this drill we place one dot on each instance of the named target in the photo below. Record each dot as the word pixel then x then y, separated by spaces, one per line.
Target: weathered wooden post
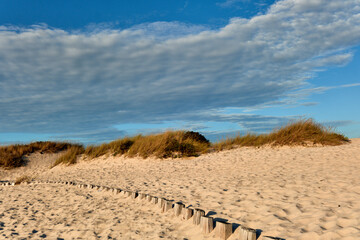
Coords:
pixel 134 195
pixel 223 230
pixel 187 213
pixel 246 233
pixel 178 208
pixel 161 202
pixel 148 198
pixel 154 200
pixel 197 215
pixel 141 196
pixel 207 224
pixel 166 206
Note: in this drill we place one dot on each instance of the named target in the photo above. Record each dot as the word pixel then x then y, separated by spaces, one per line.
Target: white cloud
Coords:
pixel 52 80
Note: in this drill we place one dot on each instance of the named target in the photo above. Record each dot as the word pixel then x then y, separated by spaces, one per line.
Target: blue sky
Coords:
pixel 94 71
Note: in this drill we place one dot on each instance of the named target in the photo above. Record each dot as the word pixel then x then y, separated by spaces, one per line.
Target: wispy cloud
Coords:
pixel 229 3
pixel 54 81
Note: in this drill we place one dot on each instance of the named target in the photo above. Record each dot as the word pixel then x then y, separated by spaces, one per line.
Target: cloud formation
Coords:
pixel 54 81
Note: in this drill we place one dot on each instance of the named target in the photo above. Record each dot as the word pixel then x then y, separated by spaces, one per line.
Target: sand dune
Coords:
pixel 288 192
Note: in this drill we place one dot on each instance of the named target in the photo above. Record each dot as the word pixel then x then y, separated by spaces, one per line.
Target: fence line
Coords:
pixel 223 229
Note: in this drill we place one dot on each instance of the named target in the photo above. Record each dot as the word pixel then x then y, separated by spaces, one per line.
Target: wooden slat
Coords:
pixel 223 230
pixel 178 208
pixel 206 224
pixel 187 213
pixel 197 215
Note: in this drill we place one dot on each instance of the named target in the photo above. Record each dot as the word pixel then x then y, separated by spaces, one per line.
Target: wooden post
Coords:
pixel 161 202
pixel 197 215
pixel 154 200
pixel 178 208
pixel 134 195
pixel 207 224
pixel 141 196
pixel 166 206
pixel 148 198
pixel 128 193
pixel 223 230
pixel 187 213
pixel 247 233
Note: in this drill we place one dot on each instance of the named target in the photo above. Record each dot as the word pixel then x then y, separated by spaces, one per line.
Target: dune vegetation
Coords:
pixel 304 132
pixel 176 144
pixel 14 155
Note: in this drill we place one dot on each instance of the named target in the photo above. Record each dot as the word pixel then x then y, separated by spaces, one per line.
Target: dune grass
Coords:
pixel 301 132
pixel 163 145
pixel 169 144
pixel 13 156
pixel 177 144
pixel 70 156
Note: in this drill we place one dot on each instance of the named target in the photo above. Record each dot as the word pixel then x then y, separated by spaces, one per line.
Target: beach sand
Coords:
pixel 288 192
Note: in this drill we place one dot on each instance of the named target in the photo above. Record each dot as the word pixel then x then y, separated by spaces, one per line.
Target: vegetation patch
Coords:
pixel 70 156
pixel 13 156
pixel 302 132
pixel 21 179
pixel 174 144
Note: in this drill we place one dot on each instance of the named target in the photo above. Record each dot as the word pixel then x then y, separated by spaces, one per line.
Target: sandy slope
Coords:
pixel 289 192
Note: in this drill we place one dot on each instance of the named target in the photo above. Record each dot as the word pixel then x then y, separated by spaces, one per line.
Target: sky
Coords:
pixel 94 71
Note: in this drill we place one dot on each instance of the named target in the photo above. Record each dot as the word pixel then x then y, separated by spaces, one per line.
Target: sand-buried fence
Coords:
pixel 207 225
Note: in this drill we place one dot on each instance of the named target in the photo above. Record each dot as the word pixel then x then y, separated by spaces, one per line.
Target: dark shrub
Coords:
pixel 196 137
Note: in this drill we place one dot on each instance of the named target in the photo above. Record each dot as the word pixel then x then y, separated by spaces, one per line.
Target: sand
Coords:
pixel 288 192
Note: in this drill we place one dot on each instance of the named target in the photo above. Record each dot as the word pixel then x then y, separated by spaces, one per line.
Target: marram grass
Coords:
pixel 176 144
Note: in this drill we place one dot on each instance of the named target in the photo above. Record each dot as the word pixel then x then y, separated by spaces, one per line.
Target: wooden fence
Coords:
pixel 223 229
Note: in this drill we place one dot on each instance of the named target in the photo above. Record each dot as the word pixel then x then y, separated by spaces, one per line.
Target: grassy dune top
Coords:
pixel 13 156
pixel 173 144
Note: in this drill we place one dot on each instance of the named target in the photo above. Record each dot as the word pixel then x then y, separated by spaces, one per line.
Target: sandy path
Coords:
pixel 294 193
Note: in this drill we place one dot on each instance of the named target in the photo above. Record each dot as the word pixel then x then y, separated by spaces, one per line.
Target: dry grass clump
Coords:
pixel 70 156
pixel 170 144
pixel 301 132
pixel 12 156
pixel 163 145
pixel 117 147
pixel 21 179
